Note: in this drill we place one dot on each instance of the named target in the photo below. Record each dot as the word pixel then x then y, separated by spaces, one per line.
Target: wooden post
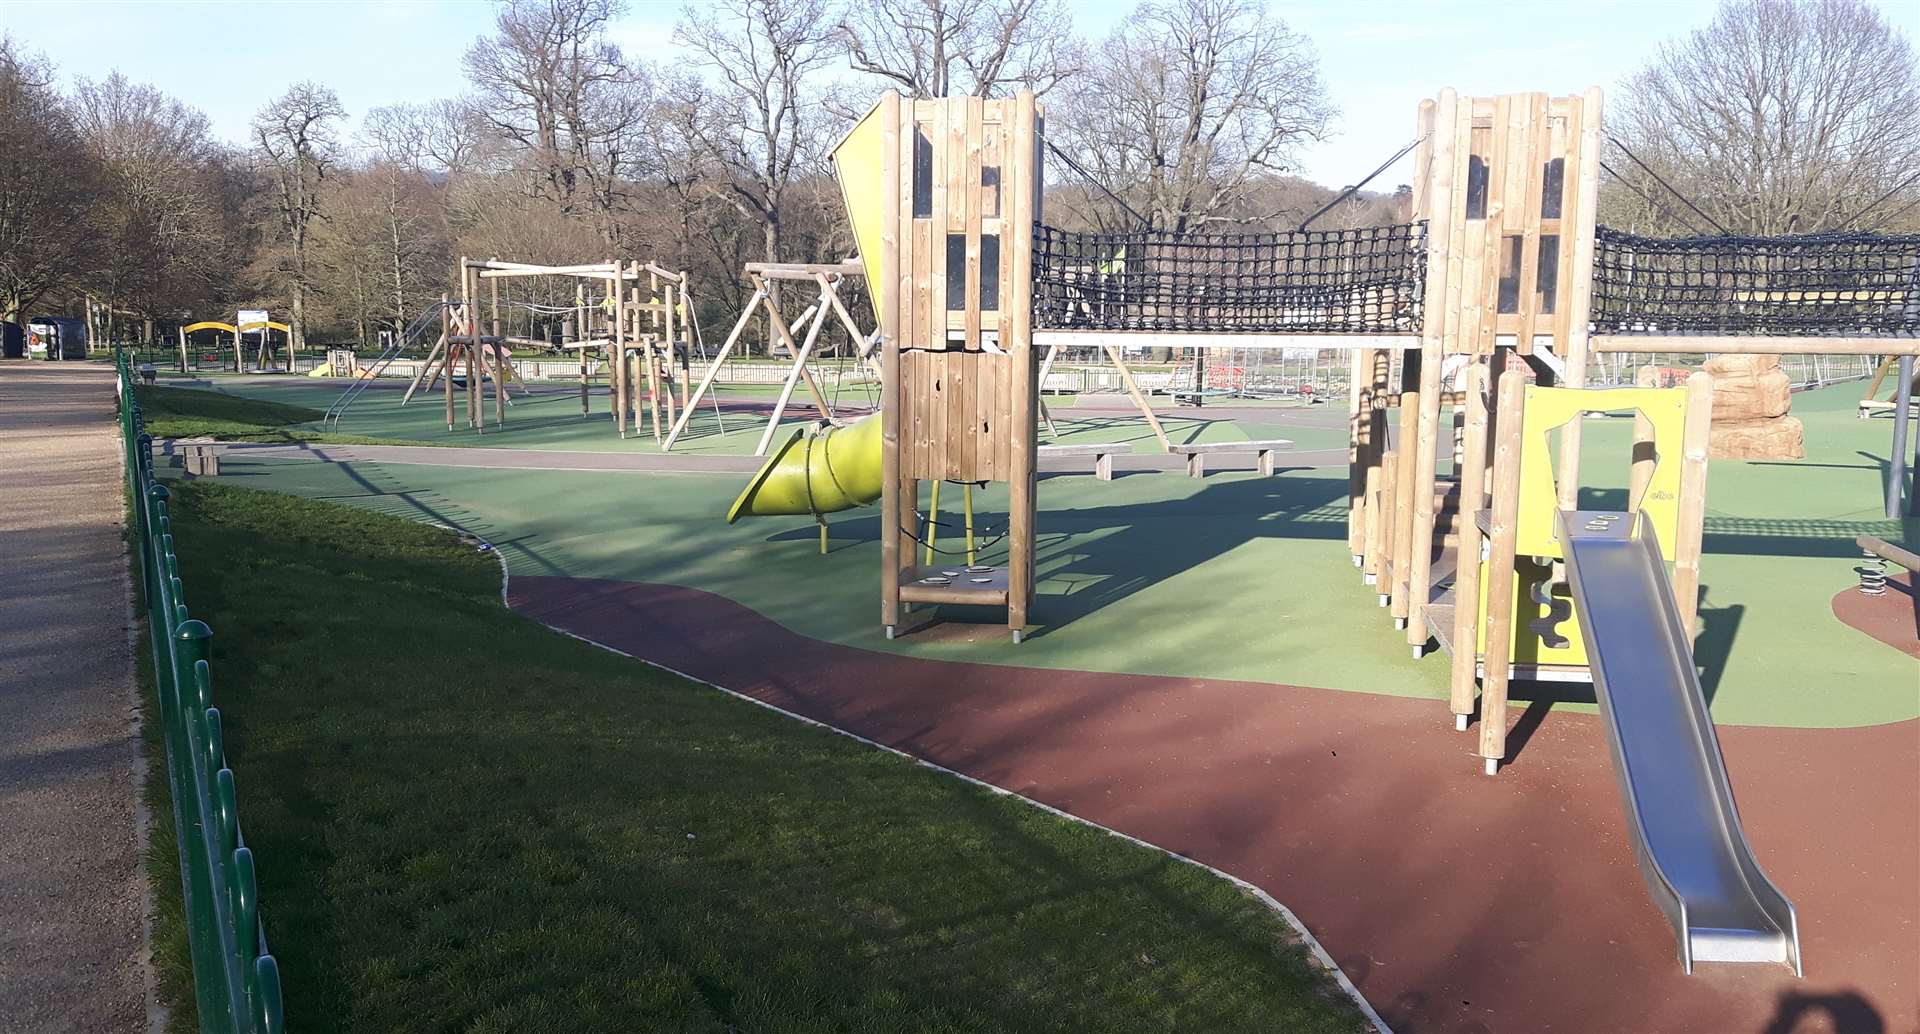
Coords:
pixel 1403 502
pixel 1017 338
pixel 499 356
pixel 619 322
pixel 1389 525
pixel 1466 581
pixel 893 124
pixel 1500 563
pixel 1425 450
pixel 445 351
pixel 689 329
pixel 1370 531
pixel 1644 460
pixel 1577 289
pixel 1359 422
pixel 1690 525
pixel 566 337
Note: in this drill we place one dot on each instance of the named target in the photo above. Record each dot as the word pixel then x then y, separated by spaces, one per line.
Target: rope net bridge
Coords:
pixel 1839 285
pixel 1365 281
pixel 1370 281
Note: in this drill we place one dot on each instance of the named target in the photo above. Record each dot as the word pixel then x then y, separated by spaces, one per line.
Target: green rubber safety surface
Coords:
pixel 1230 576
pixel 550 418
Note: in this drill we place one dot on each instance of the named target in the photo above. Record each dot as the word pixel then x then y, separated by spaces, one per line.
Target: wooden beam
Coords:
pixel 1700 344
pixel 778 325
pixel 804 270
pixel 793 377
pixel 713 369
pixel 1188 339
pixel 1139 399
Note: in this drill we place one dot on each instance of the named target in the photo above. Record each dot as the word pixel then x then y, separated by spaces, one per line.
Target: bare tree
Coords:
pixel 940 48
pixel 294 140
pixel 1777 117
pixel 409 222
pixel 554 85
pixel 759 126
pixel 48 185
pixel 1187 104
pixel 158 216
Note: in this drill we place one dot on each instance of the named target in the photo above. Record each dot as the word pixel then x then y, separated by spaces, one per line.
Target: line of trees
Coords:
pixel 1779 116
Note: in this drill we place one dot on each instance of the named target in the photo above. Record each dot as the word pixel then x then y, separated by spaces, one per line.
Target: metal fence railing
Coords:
pixel 236 981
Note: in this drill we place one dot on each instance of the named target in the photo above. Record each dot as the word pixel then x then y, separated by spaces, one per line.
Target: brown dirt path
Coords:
pixel 1455 902
pixel 73 894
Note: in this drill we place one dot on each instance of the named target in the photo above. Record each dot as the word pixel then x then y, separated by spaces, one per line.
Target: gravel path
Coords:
pixel 73 894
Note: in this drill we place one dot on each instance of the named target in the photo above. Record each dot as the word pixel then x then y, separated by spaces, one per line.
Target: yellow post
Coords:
pixel 971 560
pixel 933 522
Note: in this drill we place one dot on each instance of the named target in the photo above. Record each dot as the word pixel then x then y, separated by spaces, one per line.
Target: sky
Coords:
pixel 1378 57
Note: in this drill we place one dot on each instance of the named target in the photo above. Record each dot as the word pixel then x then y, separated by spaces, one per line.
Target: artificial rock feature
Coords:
pixel 1751 397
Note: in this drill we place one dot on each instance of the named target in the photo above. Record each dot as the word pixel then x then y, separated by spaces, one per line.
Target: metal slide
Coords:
pixel 1686 832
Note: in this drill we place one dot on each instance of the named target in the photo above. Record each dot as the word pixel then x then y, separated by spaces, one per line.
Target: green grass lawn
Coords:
pixel 192 413
pixel 467 822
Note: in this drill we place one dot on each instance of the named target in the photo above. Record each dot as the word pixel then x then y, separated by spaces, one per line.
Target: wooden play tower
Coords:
pixel 946 232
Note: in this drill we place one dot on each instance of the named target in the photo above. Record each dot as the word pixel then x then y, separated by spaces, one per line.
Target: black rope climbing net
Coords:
pixel 1836 284
pixel 1364 281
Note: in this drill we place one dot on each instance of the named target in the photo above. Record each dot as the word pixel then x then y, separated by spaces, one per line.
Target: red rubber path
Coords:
pixel 1457 903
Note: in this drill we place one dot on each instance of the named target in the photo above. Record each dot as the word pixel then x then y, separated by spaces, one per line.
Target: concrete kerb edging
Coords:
pixel 1320 954
pixel 159 1017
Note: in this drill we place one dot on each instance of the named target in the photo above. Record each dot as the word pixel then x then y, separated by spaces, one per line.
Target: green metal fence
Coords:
pixel 236 981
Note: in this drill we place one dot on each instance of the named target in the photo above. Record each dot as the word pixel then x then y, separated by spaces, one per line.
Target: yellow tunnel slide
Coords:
pixel 834 469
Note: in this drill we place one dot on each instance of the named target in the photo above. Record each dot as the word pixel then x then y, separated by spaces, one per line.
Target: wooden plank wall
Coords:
pixel 956 393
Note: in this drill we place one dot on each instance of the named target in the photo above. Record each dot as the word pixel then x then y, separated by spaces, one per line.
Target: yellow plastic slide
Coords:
pixel 832 469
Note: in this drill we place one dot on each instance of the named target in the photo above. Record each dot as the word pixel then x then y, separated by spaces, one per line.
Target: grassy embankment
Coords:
pixel 467 822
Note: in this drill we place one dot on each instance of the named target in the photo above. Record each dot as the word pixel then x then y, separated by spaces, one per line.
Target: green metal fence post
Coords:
pixel 236 984
pixel 192 643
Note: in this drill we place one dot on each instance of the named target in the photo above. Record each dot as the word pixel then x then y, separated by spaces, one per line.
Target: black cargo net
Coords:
pixel 1366 281
pixel 1835 285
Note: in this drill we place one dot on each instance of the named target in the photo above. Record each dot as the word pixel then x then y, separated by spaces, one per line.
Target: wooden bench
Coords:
pixel 1102 455
pixel 1197 454
pixel 201 460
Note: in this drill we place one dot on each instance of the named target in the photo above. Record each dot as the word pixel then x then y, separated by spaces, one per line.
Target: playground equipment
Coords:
pixel 936 191
pixel 1491 302
pixel 827 278
pixel 238 334
pixel 826 471
pixel 644 339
